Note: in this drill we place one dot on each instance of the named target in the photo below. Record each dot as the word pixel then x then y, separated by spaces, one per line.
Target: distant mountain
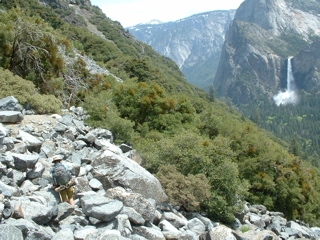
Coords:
pixel 194 43
pixel 154 21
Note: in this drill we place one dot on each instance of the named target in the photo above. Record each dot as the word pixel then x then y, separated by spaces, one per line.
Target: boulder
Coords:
pixel 10 116
pixel 23 162
pixel 10 103
pixel 135 201
pixel 151 233
pixel 134 217
pixel 100 207
pixel 10 232
pixel 63 234
pixel 33 143
pixel 115 170
pixel 39 212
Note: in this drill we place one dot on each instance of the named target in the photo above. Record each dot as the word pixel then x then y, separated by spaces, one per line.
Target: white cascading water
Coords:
pixel 289 96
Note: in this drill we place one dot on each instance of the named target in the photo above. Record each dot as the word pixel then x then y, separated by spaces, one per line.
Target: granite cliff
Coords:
pixel 262 36
pixel 253 68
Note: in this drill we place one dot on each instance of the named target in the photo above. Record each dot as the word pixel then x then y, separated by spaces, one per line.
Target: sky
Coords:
pixel 133 12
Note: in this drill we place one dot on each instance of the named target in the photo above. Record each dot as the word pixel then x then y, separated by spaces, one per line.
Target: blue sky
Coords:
pixel 133 12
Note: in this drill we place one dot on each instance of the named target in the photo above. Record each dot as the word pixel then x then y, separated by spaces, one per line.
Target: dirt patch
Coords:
pixel 37 123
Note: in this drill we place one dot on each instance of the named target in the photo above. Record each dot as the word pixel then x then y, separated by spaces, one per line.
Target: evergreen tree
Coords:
pixel 294 147
pixel 211 93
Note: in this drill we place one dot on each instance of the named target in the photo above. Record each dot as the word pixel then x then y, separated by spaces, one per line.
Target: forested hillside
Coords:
pixel 185 136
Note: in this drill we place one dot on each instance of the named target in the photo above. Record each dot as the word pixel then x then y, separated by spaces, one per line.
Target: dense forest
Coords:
pixel 297 124
pixel 185 136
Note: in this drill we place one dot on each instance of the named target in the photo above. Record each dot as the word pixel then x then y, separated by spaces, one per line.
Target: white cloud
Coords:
pixel 132 12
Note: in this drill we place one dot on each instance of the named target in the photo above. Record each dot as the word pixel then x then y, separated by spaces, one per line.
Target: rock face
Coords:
pixel 306 67
pixel 263 34
pixel 115 198
pixel 65 5
pixel 194 43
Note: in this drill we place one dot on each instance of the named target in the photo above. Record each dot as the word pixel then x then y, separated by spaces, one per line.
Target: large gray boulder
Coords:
pixel 10 103
pixel 23 162
pixel 63 234
pixel 258 235
pixel 151 233
pixel 36 209
pixel 25 226
pixel 177 220
pixel 10 232
pixel 195 225
pixel 135 201
pixel 220 232
pixel 10 116
pixel 33 143
pixel 134 217
pixel 115 170
pixel 7 190
pixel 100 207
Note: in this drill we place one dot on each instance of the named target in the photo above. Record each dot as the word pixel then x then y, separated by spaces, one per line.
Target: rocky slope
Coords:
pixel 194 43
pixel 115 198
pixel 306 67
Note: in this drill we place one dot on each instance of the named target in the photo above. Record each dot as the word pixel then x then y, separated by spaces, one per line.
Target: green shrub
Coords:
pixel 103 113
pixel 192 154
pixel 154 135
pixel 24 91
pixel 30 48
pixel 12 85
pixel 44 104
pixel 184 191
pixel 244 228
pixel 149 103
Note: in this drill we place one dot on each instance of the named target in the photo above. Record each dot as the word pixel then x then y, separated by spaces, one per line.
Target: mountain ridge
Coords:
pixel 191 42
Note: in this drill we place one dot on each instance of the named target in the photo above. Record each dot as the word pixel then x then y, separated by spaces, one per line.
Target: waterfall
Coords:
pixel 289 95
pixel 289 74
